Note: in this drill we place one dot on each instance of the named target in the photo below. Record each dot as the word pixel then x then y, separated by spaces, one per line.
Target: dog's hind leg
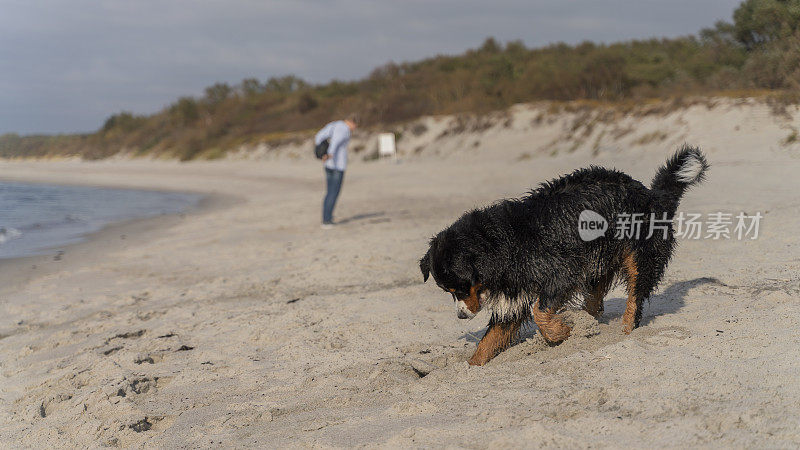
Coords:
pixel 594 300
pixel 641 276
pixel 551 325
pixel 633 308
pixel 497 338
pixel 643 270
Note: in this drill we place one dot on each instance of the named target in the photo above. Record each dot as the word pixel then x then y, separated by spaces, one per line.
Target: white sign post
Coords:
pixel 386 145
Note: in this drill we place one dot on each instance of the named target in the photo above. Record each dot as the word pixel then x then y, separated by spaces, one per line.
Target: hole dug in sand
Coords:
pixel 422 368
pixel 530 341
pixel 426 359
pixel 417 363
pixel 391 372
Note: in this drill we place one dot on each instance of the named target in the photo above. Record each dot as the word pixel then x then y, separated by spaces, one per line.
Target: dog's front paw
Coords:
pixel 557 337
pixel 478 359
pixel 556 331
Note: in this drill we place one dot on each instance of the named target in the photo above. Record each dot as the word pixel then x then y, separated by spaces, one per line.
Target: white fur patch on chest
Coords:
pixel 503 308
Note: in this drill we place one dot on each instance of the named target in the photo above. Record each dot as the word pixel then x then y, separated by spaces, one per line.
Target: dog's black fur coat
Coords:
pixel 529 248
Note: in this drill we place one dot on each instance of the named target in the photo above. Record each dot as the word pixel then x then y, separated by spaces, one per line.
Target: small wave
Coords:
pixel 7 234
pixel 68 219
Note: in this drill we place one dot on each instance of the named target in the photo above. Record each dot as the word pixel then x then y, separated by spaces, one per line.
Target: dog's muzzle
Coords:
pixel 463 311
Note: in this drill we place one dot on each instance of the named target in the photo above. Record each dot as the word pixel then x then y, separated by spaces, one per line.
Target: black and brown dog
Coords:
pixel 526 257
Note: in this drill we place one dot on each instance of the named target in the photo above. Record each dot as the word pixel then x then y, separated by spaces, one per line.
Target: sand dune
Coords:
pixel 245 324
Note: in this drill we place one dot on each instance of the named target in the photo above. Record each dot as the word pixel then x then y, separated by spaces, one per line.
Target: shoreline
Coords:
pixel 110 237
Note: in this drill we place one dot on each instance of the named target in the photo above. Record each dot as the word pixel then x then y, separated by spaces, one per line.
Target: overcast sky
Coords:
pixel 67 65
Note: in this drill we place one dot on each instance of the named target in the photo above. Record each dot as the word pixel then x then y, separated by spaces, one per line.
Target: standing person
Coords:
pixel 338 132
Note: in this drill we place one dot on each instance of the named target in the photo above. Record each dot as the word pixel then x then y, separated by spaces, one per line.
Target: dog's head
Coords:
pixel 451 263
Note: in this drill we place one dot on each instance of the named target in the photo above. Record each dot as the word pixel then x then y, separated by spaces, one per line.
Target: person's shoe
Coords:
pixel 327 225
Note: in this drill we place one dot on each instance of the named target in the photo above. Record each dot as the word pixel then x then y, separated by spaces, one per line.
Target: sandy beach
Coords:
pixel 243 324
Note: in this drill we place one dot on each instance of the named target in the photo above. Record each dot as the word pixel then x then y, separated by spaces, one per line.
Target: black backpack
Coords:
pixel 321 149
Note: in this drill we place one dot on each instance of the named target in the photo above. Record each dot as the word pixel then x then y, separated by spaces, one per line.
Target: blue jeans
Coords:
pixel 333 180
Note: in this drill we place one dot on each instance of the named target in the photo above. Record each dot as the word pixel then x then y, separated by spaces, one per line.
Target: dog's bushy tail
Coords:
pixel 686 168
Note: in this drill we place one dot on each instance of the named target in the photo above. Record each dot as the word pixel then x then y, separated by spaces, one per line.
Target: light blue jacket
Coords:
pixel 339 134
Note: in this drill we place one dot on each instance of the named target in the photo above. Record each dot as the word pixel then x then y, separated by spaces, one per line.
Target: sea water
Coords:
pixel 41 218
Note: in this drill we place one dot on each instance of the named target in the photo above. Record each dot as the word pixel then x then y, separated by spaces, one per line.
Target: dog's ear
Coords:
pixel 425 266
